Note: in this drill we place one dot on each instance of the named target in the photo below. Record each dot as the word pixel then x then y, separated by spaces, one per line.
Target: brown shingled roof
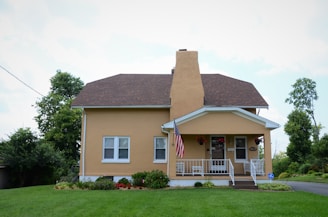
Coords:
pixel 154 90
pixel 221 90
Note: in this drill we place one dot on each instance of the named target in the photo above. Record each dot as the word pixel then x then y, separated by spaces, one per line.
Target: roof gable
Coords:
pixel 153 90
pixel 237 111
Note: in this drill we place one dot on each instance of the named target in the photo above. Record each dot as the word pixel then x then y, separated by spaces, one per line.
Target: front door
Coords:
pixel 218 154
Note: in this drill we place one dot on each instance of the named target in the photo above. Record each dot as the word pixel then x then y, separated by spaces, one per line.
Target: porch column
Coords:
pixel 267 153
pixel 172 154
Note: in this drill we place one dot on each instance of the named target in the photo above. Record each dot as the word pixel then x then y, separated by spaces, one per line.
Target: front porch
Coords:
pixel 219 144
pixel 219 169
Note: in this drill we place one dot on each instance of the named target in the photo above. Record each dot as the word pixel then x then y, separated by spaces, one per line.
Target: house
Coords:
pixel 129 122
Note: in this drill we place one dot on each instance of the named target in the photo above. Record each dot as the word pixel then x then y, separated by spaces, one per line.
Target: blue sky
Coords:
pixel 267 43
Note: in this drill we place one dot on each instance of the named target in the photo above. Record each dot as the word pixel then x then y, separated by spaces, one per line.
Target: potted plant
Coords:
pixel 201 140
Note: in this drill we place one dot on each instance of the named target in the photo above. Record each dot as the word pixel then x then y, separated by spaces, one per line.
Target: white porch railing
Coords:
pixel 253 171
pixel 254 167
pixel 205 167
pixel 231 172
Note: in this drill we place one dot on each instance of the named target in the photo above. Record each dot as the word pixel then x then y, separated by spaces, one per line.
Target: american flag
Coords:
pixel 179 146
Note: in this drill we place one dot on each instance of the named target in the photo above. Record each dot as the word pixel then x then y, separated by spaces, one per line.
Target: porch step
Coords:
pixel 243 184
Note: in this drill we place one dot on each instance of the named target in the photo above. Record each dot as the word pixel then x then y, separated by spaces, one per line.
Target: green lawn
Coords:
pixel 46 201
pixel 306 178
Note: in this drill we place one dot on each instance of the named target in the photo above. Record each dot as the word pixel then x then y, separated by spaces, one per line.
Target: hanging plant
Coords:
pixel 258 141
pixel 201 140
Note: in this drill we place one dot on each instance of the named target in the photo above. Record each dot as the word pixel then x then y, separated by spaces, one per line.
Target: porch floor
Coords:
pixel 237 177
pixel 217 174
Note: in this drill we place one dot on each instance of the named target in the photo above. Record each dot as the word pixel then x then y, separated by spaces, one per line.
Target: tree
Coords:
pixel 30 160
pixel 298 128
pixel 57 122
pixel 280 163
pixel 302 97
pixel 320 151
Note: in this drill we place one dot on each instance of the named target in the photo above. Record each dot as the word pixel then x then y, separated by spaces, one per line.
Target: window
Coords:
pixel 116 149
pixel 160 149
pixel 240 149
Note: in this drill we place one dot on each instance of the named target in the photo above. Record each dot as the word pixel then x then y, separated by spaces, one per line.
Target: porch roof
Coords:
pixel 238 111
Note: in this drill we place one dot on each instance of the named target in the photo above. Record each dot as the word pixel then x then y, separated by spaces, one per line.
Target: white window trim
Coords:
pixel 116 150
pixel 160 160
pixel 246 154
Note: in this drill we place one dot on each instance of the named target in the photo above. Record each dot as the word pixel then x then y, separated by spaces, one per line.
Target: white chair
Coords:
pixel 197 170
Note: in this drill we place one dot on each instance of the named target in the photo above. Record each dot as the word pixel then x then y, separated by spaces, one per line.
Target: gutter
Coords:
pixel 120 107
pixel 168 151
pixel 83 141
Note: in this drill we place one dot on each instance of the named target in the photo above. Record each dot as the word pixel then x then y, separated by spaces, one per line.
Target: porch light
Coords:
pixel 201 140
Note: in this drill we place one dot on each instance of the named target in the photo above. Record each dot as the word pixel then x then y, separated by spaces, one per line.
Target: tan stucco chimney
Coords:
pixel 187 92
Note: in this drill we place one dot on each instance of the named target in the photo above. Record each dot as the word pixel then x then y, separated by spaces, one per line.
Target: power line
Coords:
pixel 6 70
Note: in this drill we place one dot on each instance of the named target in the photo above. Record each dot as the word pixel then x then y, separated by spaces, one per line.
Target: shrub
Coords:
pixel 87 185
pixel 318 173
pixel 310 172
pixel 293 168
pixel 198 184
pixel 325 168
pixel 208 184
pixel 124 181
pixel 62 185
pixel 274 187
pixel 103 184
pixel 325 175
pixel 283 175
pixel 304 168
pixel 138 178
pixel 156 179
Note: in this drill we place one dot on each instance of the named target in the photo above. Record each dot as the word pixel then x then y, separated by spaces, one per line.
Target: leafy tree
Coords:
pixel 302 97
pixel 30 161
pixel 58 123
pixel 320 151
pixel 280 163
pixel 298 128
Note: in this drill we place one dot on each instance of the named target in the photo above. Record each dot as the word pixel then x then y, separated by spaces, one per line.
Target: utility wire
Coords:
pixel 6 70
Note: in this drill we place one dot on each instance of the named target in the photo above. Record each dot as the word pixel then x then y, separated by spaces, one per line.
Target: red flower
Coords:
pixel 201 139
pixel 221 140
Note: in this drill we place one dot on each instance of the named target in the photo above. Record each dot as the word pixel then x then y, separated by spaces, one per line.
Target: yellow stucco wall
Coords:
pixel 141 125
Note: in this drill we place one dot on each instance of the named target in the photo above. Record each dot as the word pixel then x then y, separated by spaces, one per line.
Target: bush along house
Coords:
pixel 193 126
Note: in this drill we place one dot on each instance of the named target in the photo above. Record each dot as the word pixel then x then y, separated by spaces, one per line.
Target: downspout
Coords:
pixel 168 151
pixel 83 143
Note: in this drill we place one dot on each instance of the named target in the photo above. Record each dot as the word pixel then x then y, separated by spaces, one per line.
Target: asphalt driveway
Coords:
pixel 317 188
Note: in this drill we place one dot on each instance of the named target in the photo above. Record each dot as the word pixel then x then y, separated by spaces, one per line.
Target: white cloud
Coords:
pixel 93 39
